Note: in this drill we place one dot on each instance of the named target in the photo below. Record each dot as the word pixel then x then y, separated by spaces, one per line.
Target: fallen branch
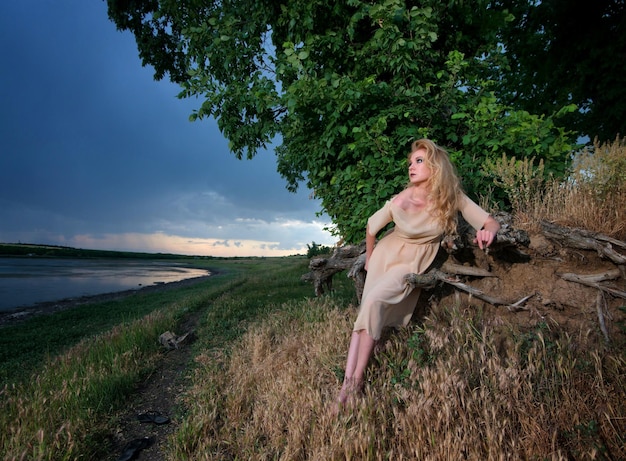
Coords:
pixel 357 273
pixel 323 269
pixel 458 269
pixel 585 240
pixel 171 340
pixel 600 304
pixel 594 279
pixel 433 276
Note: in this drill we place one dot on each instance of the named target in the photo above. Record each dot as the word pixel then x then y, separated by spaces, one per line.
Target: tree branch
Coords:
pixel 584 240
pixel 593 279
pixel 430 279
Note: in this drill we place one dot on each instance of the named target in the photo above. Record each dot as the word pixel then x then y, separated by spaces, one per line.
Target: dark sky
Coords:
pixel 96 154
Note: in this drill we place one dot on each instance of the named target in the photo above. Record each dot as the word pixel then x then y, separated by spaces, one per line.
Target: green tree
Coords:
pixel 569 51
pixel 343 88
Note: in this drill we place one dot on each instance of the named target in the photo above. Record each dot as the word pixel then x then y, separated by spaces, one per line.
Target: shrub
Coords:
pixel 591 196
pixel 315 250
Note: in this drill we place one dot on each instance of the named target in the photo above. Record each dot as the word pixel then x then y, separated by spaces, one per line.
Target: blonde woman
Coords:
pixel 422 213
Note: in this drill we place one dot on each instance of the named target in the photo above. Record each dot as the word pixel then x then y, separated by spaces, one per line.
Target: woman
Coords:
pixel 422 213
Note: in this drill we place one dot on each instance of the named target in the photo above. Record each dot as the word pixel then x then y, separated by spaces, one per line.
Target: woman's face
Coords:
pixel 419 171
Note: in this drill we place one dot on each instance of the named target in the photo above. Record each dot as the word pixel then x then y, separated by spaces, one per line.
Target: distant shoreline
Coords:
pixel 20 314
pixel 56 251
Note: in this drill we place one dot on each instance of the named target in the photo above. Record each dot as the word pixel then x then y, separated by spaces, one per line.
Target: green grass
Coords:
pixel 268 284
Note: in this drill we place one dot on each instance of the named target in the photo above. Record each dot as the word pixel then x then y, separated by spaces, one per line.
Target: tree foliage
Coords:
pixel 343 88
pixel 565 51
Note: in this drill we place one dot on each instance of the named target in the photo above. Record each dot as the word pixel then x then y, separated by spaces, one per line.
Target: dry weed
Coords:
pixel 437 392
pixel 591 197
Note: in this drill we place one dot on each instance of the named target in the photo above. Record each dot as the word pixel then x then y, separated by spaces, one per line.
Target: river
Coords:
pixel 27 281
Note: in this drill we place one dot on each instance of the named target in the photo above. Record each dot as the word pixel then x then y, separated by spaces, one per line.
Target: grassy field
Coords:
pixel 64 372
pixel 268 363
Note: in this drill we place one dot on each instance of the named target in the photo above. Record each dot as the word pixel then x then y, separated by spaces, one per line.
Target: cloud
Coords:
pixel 163 243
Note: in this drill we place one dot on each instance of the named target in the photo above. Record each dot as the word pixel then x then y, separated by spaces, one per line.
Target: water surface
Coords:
pixel 27 281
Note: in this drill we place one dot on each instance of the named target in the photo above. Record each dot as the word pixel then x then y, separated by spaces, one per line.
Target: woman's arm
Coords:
pixel 370 242
pixel 375 224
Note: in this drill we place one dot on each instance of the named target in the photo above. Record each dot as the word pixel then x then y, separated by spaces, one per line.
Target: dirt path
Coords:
pixel 159 393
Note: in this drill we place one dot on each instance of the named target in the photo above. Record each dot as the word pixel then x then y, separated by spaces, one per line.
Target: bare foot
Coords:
pixel 350 393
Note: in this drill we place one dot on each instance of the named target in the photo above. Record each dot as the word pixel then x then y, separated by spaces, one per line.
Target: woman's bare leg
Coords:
pixel 353 354
pixel 366 347
pixel 359 352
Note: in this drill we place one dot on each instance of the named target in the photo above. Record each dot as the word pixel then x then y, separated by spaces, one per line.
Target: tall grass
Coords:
pixel 52 416
pixel 446 389
pixel 591 197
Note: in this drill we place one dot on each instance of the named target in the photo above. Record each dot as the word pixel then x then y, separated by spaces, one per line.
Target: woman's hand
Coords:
pixel 484 238
pixel 487 234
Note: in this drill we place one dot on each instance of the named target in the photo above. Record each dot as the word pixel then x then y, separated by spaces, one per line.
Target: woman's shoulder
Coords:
pixel 400 197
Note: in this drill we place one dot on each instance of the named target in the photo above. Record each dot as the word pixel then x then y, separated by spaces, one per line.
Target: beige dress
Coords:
pixel 387 300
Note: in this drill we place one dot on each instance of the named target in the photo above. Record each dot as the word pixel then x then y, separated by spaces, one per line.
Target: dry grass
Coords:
pixel 444 390
pixel 268 396
pixel 592 197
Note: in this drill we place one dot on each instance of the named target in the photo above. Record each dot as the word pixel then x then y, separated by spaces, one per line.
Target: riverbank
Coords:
pixel 75 381
pixel 50 307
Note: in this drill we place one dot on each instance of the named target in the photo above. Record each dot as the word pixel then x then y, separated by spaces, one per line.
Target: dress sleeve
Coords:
pixel 380 219
pixel 472 213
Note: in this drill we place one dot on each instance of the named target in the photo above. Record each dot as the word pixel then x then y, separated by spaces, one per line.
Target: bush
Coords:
pixel 315 250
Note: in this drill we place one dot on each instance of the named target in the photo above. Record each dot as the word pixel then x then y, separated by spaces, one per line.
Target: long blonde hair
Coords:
pixel 445 186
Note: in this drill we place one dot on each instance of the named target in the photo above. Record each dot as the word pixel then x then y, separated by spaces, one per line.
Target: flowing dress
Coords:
pixel 387 300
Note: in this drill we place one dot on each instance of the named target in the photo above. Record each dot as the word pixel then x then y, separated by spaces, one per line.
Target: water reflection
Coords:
pixel 26 281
